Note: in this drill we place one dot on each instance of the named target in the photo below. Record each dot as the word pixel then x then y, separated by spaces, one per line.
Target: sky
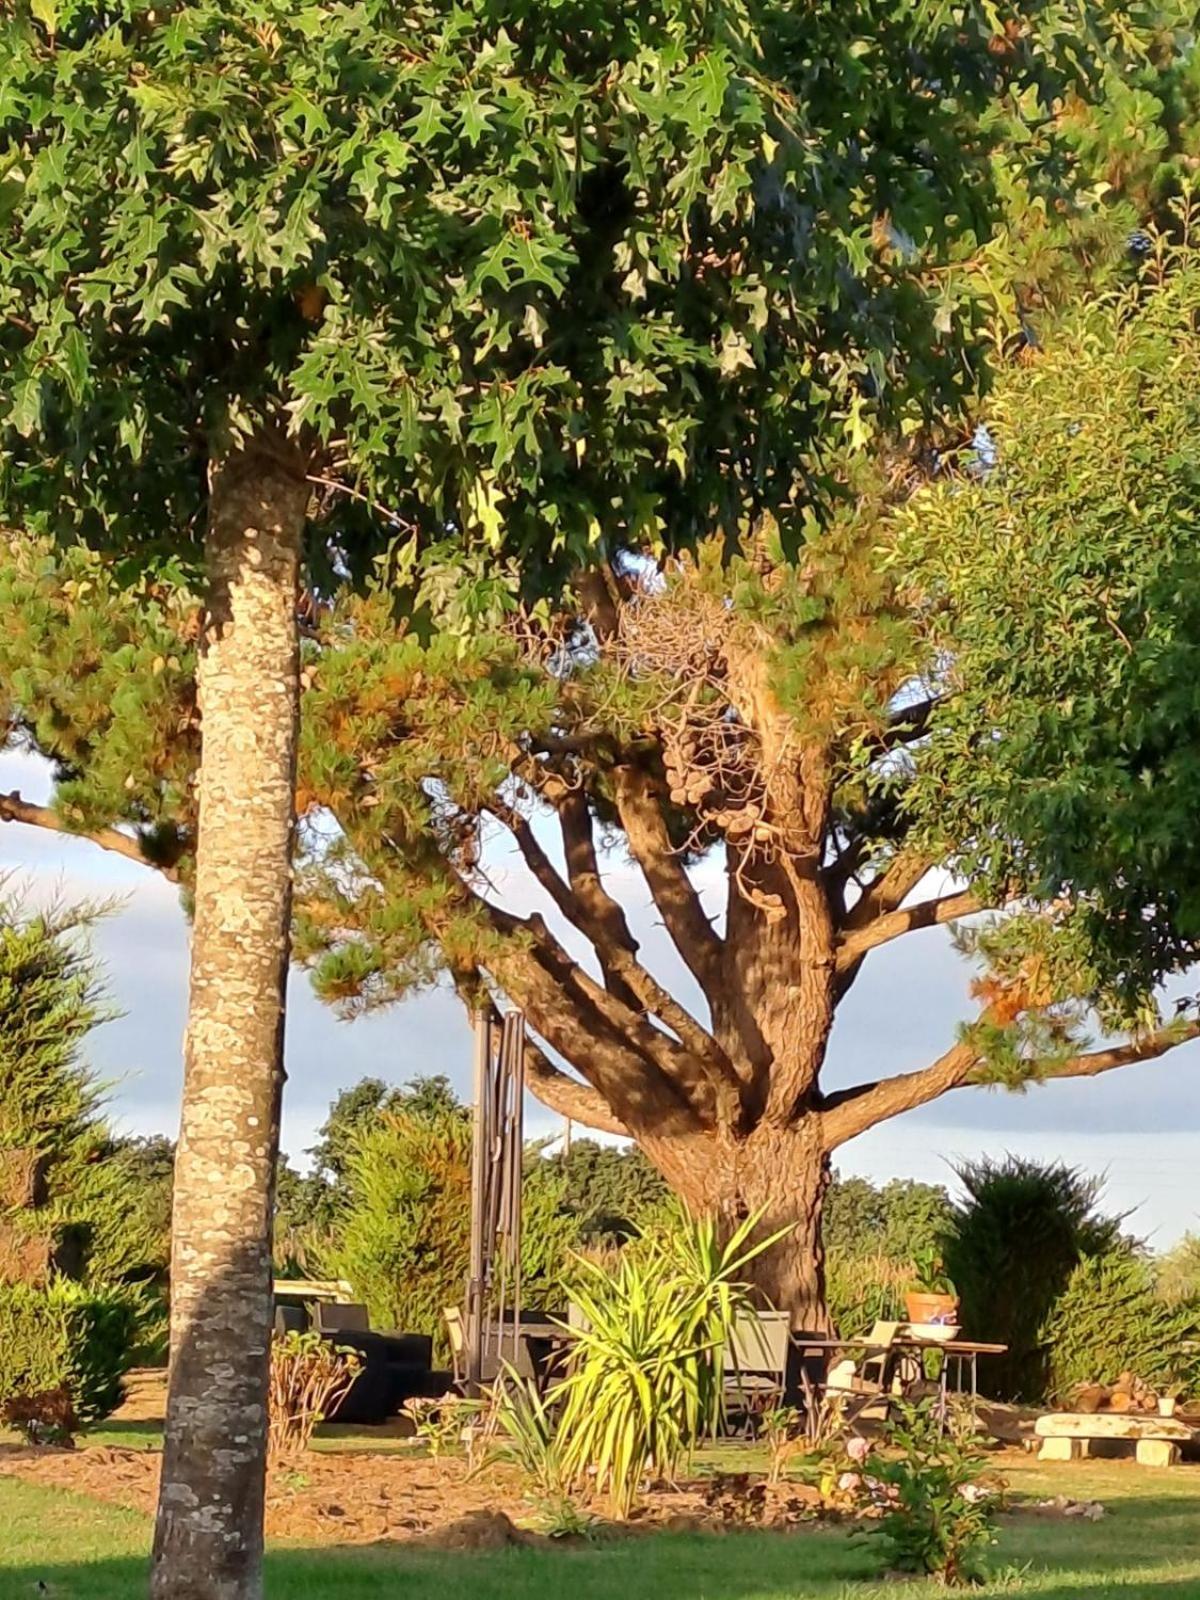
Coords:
pixel 1139 1126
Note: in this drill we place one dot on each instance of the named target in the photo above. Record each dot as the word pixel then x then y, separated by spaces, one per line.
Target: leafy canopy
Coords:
pixel 1060 590
pixel 522 275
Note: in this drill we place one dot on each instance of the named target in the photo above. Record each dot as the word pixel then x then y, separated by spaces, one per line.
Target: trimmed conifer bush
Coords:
pixel 65 1343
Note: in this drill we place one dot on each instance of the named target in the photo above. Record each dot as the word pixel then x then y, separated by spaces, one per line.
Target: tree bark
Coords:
pixel 780 1175
pixel 208 1536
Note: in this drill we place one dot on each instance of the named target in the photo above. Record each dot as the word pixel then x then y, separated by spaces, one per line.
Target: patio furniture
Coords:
pixel 525 1345
pixel 338 1316
pixel 756 1362
pixel 1070 1435
pixel 903 1361
pixel 290 1319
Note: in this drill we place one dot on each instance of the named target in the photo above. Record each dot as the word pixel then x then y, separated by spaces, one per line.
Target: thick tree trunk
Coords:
pixel 778 1174
pixel 208 1537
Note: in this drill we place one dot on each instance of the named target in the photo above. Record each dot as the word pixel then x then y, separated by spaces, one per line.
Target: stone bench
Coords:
pixel 1068 1435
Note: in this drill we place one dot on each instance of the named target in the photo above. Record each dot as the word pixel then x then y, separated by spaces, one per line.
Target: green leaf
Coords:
pixel 25 408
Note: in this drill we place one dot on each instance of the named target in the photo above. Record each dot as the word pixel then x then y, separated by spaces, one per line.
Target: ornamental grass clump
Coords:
pixel 309 1376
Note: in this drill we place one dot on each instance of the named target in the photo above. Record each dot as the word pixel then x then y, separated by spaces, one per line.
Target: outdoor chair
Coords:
pixel 290 1319
pixel 756 1363
pixel 340 1317
pixel 879 1378
pixel 876 1368
pixel 456 1329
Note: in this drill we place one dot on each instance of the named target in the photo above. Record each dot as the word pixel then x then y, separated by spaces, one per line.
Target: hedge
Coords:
pixel 1110 1319
pixel 66 1338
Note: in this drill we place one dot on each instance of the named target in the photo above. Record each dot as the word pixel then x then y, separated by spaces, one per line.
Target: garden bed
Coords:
pixel 356 1497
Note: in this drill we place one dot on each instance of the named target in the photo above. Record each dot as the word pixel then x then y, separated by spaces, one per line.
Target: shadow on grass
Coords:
pixel 672 1567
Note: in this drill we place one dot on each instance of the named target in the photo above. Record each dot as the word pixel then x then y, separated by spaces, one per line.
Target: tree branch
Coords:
pixel 609 930
pixel 588 906
pixel 889 890
pixel 855 942
pixel 677 901
pixel 590 1027
pixel 571 1099
pixel 853 1111
pixel 14 809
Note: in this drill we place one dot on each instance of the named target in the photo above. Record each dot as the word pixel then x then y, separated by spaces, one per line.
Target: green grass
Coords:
pixel 1147 1548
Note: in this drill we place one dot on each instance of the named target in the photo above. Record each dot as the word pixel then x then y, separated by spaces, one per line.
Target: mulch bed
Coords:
pixel 359 1497
pixel 356 1497
pixel 325 1498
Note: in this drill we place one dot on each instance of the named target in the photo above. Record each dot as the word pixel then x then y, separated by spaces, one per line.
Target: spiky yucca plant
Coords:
pixel 646 1373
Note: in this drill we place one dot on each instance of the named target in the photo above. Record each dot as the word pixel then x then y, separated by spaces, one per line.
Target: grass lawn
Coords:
pixel 1147 1548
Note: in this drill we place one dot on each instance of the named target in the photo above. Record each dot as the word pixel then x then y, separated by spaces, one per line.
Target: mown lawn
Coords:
pixel 1147 1548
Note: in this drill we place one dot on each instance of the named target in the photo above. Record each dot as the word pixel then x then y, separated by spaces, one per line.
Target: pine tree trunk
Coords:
pixel 208 1537
pixel 780 1175
pixel 786 1180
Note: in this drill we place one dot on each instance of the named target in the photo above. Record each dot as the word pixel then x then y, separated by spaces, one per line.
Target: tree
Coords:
pixel 614 1192
pixel 896 1220
pixel 280 271
pixel 670 334
pixel 70 1203
pixel 1177 1273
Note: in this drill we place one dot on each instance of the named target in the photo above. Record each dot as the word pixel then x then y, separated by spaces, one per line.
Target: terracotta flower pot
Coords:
pixel 923 1307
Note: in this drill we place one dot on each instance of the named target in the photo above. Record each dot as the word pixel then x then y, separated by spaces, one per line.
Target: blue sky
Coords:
pixel 1139 1125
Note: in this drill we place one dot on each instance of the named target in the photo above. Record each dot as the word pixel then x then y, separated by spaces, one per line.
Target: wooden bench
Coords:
pixel 1068 1435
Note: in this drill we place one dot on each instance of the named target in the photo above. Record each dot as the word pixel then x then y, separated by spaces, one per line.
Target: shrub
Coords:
pixel 863 1290
pixel 66 1340
pixel 440 1423
pixel 1011 1248
pixel 523 1434
pixel 1111 1319
pixel 938 1520
pixel 645 1376
pixel 1177 1274
pixel 308 1378
pixel 401 1234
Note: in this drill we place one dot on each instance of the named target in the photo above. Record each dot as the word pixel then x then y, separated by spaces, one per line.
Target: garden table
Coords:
pixel 963 1354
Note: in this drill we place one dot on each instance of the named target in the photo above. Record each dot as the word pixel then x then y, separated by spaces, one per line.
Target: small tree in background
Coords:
pixel 1011 1249
pixel 76 1233
pixel 402 1226
pixel 71 1202
pixel 307 1205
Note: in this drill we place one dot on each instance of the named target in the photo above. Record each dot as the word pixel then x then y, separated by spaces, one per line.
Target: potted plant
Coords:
pixel 932 1300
